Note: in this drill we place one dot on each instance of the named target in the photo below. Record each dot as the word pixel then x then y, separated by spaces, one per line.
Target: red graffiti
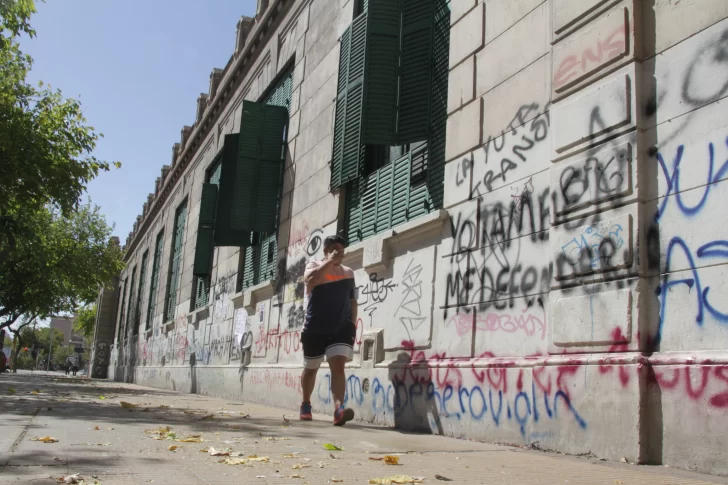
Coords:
pixel 288 341
pixel 297 240
pixel 578 65
pixel 274 379
pixel 620 345
pixel 693 389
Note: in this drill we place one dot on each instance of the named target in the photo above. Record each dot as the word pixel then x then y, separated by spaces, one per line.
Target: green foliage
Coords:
pixel 61 354
pixel 86 320
pixel 60 261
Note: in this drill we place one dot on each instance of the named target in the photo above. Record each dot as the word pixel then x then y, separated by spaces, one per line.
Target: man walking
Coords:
pixel 329 330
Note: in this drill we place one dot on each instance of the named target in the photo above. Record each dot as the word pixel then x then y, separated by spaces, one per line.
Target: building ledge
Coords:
pixel 250 297
pixel 375 251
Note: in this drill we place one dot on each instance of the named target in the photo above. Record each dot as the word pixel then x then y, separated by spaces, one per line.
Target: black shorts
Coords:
pixel 317 346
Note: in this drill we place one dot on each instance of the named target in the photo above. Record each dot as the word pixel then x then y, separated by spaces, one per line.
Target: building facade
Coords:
pixel 511 178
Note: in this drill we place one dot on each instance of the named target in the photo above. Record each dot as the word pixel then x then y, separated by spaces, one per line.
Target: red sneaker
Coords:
pixel 306 412
pixel 342 415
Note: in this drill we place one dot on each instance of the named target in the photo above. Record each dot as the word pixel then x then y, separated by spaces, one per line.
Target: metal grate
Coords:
pixel 178 241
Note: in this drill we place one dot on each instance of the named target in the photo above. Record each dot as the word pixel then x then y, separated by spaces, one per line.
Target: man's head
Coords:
pixel 333 243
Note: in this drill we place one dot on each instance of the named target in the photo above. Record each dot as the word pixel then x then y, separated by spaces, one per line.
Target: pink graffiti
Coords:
pixel 695 389
pixel 297 240
pixel 273 380
pixel 495 322
pixel 577 65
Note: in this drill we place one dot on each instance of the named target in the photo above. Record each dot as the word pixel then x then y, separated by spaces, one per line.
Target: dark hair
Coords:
pixel 331 240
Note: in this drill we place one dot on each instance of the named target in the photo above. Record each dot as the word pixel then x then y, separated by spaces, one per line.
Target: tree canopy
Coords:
pixel 86 320
pixel 55 251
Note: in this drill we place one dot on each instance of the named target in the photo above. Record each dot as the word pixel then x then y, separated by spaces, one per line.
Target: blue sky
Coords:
pixel 138 67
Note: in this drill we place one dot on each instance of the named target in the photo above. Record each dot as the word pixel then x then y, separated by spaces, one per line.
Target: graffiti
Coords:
pixel 301 241
pixel 511 147
pixel 296 316
pixel 273 380
pixel 602 176
pixel 521 195
pixel 576 67
pixel 673 181
pixel 463 172
pixel 354 394
pixel 693 388
pixel 287 341
pixel 595 244
pixel 411 299
pixel 526 323
pixel 528 215
pixel 374 292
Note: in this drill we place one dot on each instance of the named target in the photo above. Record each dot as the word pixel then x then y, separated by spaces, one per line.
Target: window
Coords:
pixel 154 283
pixel 391 161
pixel 170 305
pixel 121 314
pixel 205 236
pixel 130 308
pixel 140 292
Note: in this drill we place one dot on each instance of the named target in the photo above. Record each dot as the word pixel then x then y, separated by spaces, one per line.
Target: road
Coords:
pixel 109 444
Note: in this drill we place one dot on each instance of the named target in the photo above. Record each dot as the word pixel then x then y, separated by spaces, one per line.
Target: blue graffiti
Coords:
pixel 673 181
pixel 353 390
pixel 714 249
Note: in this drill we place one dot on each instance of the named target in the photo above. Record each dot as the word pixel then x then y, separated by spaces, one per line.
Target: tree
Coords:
pixel 86 320
pixel 61 354
pixel 61 261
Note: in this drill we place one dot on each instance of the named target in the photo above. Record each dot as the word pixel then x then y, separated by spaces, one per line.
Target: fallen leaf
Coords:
pixel 296 476
pixel 188 412
pixel 391 460
pixel 286 419
pixel 321 464
pixel 331 455
pixel 396 479
pixel 45 439
pixel 299 466
pixel 110 429
pixel 234 461
pixel 55 458
pixel 623 460
pixel 75 478
pixel 260 476
pixel 102 397
pixel 444 479
pixel 163 406
pixel 332 447
pixel 244 415
pixel 172 447
pixel 213 452
pixel 191 439
pixel 376 458
pixel 291 455
pixel 618 482
pixel 336 480
pixel 35 391
pixel 208 417
pixel 11 390
pixel 261 459
pixel 128 405
pixel 96 428
pixel 203 450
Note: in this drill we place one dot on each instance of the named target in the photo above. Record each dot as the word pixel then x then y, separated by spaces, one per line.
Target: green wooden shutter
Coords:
pixel 226 233
pixel 154 284
pixel 381 72
pixel 415 89
pixel 205 231
pixel 353 212
pixel 347 152
pixel 259 169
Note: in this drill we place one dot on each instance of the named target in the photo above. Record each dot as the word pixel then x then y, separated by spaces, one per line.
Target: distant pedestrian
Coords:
pixel 67 367
pixel 74 369
pixel 329 328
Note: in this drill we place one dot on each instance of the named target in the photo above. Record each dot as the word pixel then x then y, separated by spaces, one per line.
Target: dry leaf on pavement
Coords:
pixel 332 447
pixel 261 459
pixel 36 391
pixel 291 455
pixel 213 452
pixel 203 450
pixel 331 455
pixel 299 466
pixel 234 461
pixel 45 439
pixel 336 480
pixel 172 447
pixel 11 390
pixel 396 479
pixel 75 478
pixel 127 405
pixel 391 460
pixel 296 476
pixel 190 439
pixel 97 428
pixel 444 479
pixel 286 419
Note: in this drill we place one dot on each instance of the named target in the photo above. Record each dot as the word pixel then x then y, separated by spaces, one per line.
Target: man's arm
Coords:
pixel 354 311
pixel 314 276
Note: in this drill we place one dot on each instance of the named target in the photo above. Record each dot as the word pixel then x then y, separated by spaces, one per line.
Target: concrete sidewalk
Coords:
pixel 107 443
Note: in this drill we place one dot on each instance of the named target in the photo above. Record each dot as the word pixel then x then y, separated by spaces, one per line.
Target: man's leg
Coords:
pixel 308 380
pixel 338 379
